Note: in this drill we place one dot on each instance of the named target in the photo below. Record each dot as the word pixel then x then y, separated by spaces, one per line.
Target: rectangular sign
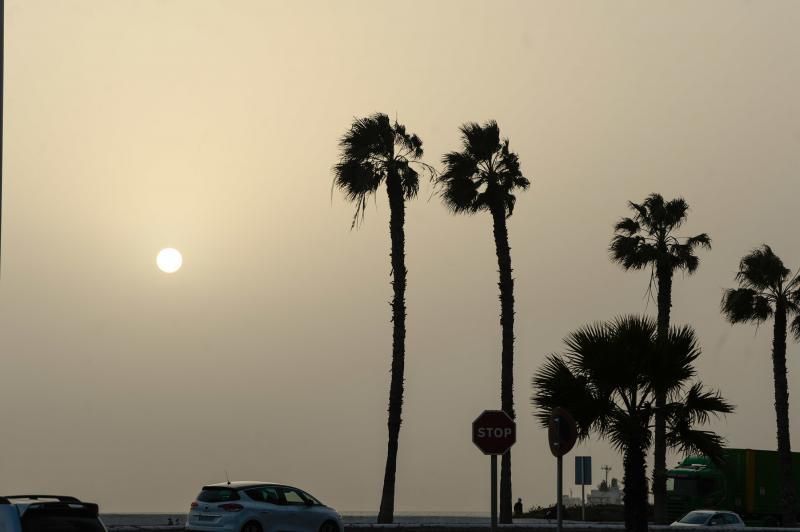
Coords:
pixel 583 470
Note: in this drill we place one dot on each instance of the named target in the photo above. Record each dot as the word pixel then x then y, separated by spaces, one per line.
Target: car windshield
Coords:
pixel 695 518
pixel 213 494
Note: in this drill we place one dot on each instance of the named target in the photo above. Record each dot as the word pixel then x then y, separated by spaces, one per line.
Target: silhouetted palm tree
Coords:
pixel 767 290
pixel 607 379
pixel 648 241
pixel 375 151
pixel 483 177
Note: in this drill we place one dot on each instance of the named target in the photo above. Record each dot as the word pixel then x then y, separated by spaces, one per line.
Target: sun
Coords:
pixel 169 260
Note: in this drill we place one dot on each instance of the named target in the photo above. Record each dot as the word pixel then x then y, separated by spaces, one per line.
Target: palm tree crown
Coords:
pixel 373 150
pixel 647 238
pixel 609 378
pixel 764 284
pixel 484 175
pixel 610 373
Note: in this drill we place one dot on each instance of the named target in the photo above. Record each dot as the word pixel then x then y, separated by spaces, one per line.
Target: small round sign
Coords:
pixel 562 432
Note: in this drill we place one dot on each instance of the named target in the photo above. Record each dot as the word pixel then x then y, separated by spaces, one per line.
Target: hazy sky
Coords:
pixel 212 126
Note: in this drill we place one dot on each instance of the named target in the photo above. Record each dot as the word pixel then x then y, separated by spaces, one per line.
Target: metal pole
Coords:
pixel 494 492
pixel 559 512
pixel 583 502
pixel 2 76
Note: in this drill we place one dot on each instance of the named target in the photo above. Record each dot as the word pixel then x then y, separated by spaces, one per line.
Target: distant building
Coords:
pixel 605 494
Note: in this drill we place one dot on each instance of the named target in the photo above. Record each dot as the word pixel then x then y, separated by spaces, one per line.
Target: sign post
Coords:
pixel 562 432
pixel 494 432
pixel 583 478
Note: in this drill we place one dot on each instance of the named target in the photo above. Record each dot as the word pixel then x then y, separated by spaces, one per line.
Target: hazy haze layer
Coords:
pixel 211 126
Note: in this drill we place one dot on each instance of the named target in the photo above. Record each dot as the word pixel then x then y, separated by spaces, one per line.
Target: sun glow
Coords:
pixel 169 260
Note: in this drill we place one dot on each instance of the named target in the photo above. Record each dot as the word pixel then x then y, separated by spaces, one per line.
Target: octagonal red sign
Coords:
pixel 494 432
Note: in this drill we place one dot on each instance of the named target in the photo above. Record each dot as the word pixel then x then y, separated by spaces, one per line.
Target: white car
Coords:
pixel 710 518
pixel 260 507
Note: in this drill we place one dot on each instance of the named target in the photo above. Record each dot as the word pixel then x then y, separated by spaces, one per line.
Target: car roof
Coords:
pixel 244 484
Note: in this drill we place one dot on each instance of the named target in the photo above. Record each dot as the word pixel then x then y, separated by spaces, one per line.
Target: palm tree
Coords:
pixel 767 290
pixel 607 380
pixel 375 151
pixel 648 241
pixel 483 177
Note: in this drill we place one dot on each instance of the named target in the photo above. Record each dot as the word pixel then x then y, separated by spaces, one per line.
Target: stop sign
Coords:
pixel 494 432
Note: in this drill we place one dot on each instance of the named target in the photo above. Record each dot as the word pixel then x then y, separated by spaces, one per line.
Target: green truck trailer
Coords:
pixel 748 483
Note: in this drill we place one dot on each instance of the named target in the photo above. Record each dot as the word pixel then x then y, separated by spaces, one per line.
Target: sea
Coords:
pixel 465 518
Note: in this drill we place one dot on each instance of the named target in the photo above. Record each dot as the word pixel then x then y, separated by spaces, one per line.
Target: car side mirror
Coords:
pixel 713 522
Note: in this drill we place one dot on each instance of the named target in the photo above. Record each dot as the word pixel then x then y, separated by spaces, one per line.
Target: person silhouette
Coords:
pixel 518 508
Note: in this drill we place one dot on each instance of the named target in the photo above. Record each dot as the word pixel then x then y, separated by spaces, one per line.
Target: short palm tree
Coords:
pixel 607 379
pixel 483 177
pixel 648 240
pixel 767 290
pixel 376 151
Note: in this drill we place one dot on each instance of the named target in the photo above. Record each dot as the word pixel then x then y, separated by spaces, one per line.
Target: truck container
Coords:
pixel 748 482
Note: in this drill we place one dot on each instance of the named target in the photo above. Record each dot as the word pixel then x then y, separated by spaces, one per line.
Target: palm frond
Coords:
pixel 481 142
pixel 555 385
pixel 699 405
pixel 742 305
pixel 682 257
pixel 761 269
pixel 409 179
pixel 696 408
pixel 672 362
pixel 796 327
pixel 702 240
pixel 632 252
pixel 695 441
pixel 627 226
pixel 675 212
pixel 623 429
pixel 368 137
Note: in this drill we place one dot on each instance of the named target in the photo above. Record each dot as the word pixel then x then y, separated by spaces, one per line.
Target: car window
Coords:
pixel 292 496
pixel 265 494
pixel 217 495
pixel 310 498
pixel 730 519
pixel 717 519
pixel 694 518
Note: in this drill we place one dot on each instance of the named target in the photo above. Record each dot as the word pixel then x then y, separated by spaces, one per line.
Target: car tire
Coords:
pixel 252 526
pixel 329 526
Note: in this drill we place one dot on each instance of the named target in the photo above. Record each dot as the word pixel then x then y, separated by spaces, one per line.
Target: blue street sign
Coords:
pixel 583 470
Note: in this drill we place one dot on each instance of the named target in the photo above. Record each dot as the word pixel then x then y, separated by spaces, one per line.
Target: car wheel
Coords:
pixel 252 526
pixel 329 526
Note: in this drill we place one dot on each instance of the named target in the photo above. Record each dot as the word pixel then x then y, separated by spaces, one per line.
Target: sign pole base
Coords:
pixel 494 492
pixel 559 489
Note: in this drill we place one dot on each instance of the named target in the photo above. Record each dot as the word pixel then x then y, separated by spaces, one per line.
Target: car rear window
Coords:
pixel 218 495
pixel 61 519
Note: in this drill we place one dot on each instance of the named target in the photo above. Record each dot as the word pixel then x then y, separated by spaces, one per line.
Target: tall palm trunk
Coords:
pixel 397 234
pixel 782 413
pixel 506 285
pixel 664 275
pixel 635 501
